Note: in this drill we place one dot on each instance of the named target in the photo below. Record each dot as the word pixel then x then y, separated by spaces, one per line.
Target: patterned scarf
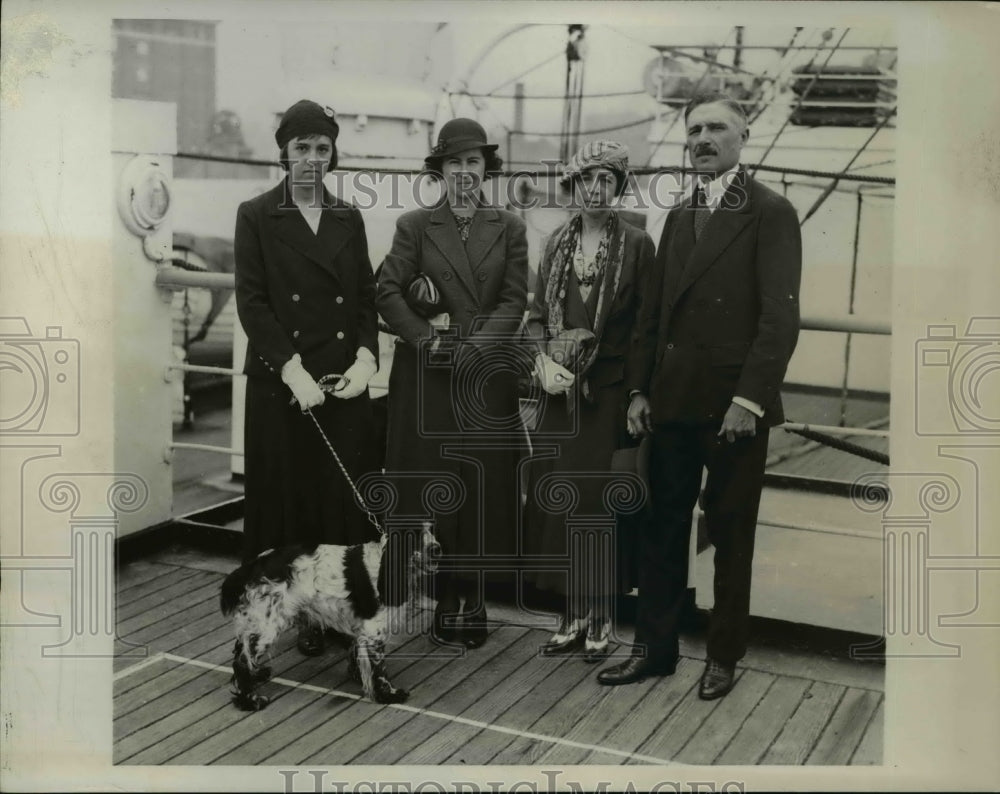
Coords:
pixel 607 270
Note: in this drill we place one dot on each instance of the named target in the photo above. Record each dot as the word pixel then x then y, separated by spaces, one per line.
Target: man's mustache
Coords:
pixel 704 149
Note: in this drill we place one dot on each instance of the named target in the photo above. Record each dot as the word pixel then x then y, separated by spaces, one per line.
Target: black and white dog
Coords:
pixel 351 589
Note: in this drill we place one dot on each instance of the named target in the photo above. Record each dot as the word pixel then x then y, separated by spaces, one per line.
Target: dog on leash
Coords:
pixel 354 590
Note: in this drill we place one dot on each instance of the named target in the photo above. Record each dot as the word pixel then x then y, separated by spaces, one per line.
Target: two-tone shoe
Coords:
pixel 569 635
pixel 598 642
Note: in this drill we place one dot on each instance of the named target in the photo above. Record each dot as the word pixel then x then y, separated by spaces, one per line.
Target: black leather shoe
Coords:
pixel 310 641
pixel 445 629
pixel 717 680
pixel 474 632
pixel 634 669
pixel 569 635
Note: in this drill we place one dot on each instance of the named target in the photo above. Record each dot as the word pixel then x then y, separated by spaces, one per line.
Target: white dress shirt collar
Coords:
pixel 716 188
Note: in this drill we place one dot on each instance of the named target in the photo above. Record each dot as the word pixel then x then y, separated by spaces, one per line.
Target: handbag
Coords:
pixel 423 297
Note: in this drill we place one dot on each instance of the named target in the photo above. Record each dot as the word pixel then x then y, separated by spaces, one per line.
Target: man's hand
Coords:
pixel 738 422
pixel 639 418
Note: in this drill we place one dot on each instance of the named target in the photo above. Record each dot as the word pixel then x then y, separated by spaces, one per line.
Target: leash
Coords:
pixel 323 383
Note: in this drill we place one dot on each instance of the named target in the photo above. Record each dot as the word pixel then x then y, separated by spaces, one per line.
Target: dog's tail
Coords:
pixel 273 565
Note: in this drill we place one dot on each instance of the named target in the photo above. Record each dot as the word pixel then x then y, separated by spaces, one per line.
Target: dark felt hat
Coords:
pixel 306 118
pixel 458 135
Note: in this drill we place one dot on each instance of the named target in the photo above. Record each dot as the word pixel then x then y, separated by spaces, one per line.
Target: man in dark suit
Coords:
pixel 717 325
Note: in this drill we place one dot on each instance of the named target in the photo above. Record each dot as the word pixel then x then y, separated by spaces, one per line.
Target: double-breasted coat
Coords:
pixel 456 411
pixel 313 294
pixel 577 444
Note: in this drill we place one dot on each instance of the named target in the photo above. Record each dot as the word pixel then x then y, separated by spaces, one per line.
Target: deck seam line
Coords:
pixel 135 668
pixel 826 724
pixel 147 582
pixel 704 719
pixel 749 714
pixel 440 715
pixel 794 711
pixel 864 731
pixel 153 593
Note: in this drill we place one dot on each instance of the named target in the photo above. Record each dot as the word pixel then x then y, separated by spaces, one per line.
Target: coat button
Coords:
pixel 482 277
pixel 446 275
pixel 340 299
pixel 670 345
pixel 340 334
pixel 295 297
pixel 295 334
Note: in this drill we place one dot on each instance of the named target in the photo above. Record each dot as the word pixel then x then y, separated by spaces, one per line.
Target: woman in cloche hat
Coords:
pixel 453 288
pixel 582 316
pixel 305 293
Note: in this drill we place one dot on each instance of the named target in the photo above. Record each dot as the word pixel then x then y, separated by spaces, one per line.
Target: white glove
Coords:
pixel 555 378
pixel 440 322
pixel 355 380
pixel 306 391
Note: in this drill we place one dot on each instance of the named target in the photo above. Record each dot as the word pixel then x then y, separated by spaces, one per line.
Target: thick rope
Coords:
pixel 843 446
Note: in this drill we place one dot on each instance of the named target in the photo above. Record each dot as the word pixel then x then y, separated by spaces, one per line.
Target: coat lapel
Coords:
pixel 725 224
pixel 293 230
pixel 443 232
pixel 486 229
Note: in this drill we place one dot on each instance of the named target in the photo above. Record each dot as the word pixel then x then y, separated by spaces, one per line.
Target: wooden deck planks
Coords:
pixel 639 724
pixel 526 671
pixel 457 687
pixel 869 750
pixel 173 593
pixel 561 677
pixel 241 735
pixel 169 712
pixel 173 615
pixel 765 722
pixel 608 712
pixel 270 740
pixel 213 703
pixel 139 573
pixel 725 721
pixel 402 675
pixel 846 728
pixel 432 676
pixel 802 731
pixel 574 707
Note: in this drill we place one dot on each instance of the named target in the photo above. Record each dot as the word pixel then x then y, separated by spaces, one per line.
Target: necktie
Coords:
pixel 701 211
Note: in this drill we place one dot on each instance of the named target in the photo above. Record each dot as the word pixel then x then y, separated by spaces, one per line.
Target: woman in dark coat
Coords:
pixel 305 294
pixel 453 405
pixel 583 312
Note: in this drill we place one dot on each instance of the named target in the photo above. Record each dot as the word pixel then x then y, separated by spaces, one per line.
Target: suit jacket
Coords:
pixel 615 341
pixel 720 318
pixel 300 292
